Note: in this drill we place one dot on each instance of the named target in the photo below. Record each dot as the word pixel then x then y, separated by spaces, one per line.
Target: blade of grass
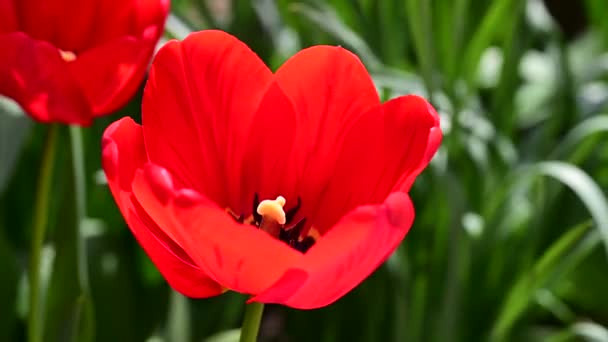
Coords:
pixel 225 336
pixel 420 22
pixel 596 203
pixel 14 129
pixel 459 27
pixel 68 308
pixel 41 215
pixel 458 259
pixel 8 290
pixel 492 24
pixel 389 20
pixel 398 82
pixel 519 297
pixel 515 43
pixel 574 147
pixel 597 10
pixel 327 20
pixel 177 28
pixel 590 331
pixel 178 329
pixel 587 190
pixel 444 29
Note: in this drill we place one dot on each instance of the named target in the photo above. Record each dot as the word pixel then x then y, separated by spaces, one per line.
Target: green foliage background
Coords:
pixel 511 236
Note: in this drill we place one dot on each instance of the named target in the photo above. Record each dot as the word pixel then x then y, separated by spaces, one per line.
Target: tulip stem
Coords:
pixel 41 211
pixel 81 194
pixel 85 316
pixel 251 322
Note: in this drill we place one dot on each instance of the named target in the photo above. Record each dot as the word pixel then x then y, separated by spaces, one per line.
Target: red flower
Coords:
pixel 70 61
pixel 220 132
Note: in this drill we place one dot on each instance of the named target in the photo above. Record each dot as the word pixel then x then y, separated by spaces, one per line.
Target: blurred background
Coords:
pixel 511 236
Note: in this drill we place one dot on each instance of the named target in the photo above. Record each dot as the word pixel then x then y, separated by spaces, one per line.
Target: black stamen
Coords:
pixel 238 218
pixel 293 232
pixel 284 235
pixel 288 234
pixel 291 213
pixel 257 218
pixel 304 245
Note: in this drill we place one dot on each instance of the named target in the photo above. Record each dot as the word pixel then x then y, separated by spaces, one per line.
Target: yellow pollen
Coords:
pixel 67 56
pixel 272 210
pixel 314 233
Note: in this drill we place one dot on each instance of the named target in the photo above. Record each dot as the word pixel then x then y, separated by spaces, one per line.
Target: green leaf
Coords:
pixel 459 27
pixel 596 10
pixel 177 28
pixel 327 20
pixel 8 291
pixel 520 295
pixel 178 329
pixel 420 22
pixel 492 24
pixel 225 336
pixel 286 42
pixel 590 331
pixel 14 129
pixel 562 255
pixel 573 146
pixel 587 190
pixel 398 82
pixel 68 313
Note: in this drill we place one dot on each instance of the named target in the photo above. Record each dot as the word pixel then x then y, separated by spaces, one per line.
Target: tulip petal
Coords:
pixel 197 127
pixel 330 90
pixel 123 154
pixel 37 18
pixel 109 74
pixel 33 73
pixel 391 142
pixel 344 256
pixel 150 13
pixel 239 257
pixel 67 24
pixel 77 26
pixel 266 163
pixel 406 181
pixel 111 71
pixel 137 18
pixel 9 16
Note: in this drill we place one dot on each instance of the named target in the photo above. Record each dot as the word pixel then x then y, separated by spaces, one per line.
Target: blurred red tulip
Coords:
pixel 70 61
pixel 221 132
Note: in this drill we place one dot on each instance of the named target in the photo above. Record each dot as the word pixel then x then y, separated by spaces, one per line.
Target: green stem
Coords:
pixel 251 322
pixel 178 327
pixel 41 213
pixel 85 314
pixel 81 194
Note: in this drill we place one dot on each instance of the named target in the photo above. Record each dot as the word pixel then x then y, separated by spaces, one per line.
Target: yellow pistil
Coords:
pixel 67 56
pixel 314 233
pixel 273 215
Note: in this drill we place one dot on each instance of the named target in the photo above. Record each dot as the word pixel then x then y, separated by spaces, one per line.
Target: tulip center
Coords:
pixel 67 56
pixel 271 217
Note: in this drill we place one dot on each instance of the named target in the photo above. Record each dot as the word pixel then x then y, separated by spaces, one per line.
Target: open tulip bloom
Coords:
pixel 72 60
pixel 291 187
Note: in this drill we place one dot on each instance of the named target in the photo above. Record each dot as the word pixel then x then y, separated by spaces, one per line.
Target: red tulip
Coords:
pixel 70 61
pixel 221 132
